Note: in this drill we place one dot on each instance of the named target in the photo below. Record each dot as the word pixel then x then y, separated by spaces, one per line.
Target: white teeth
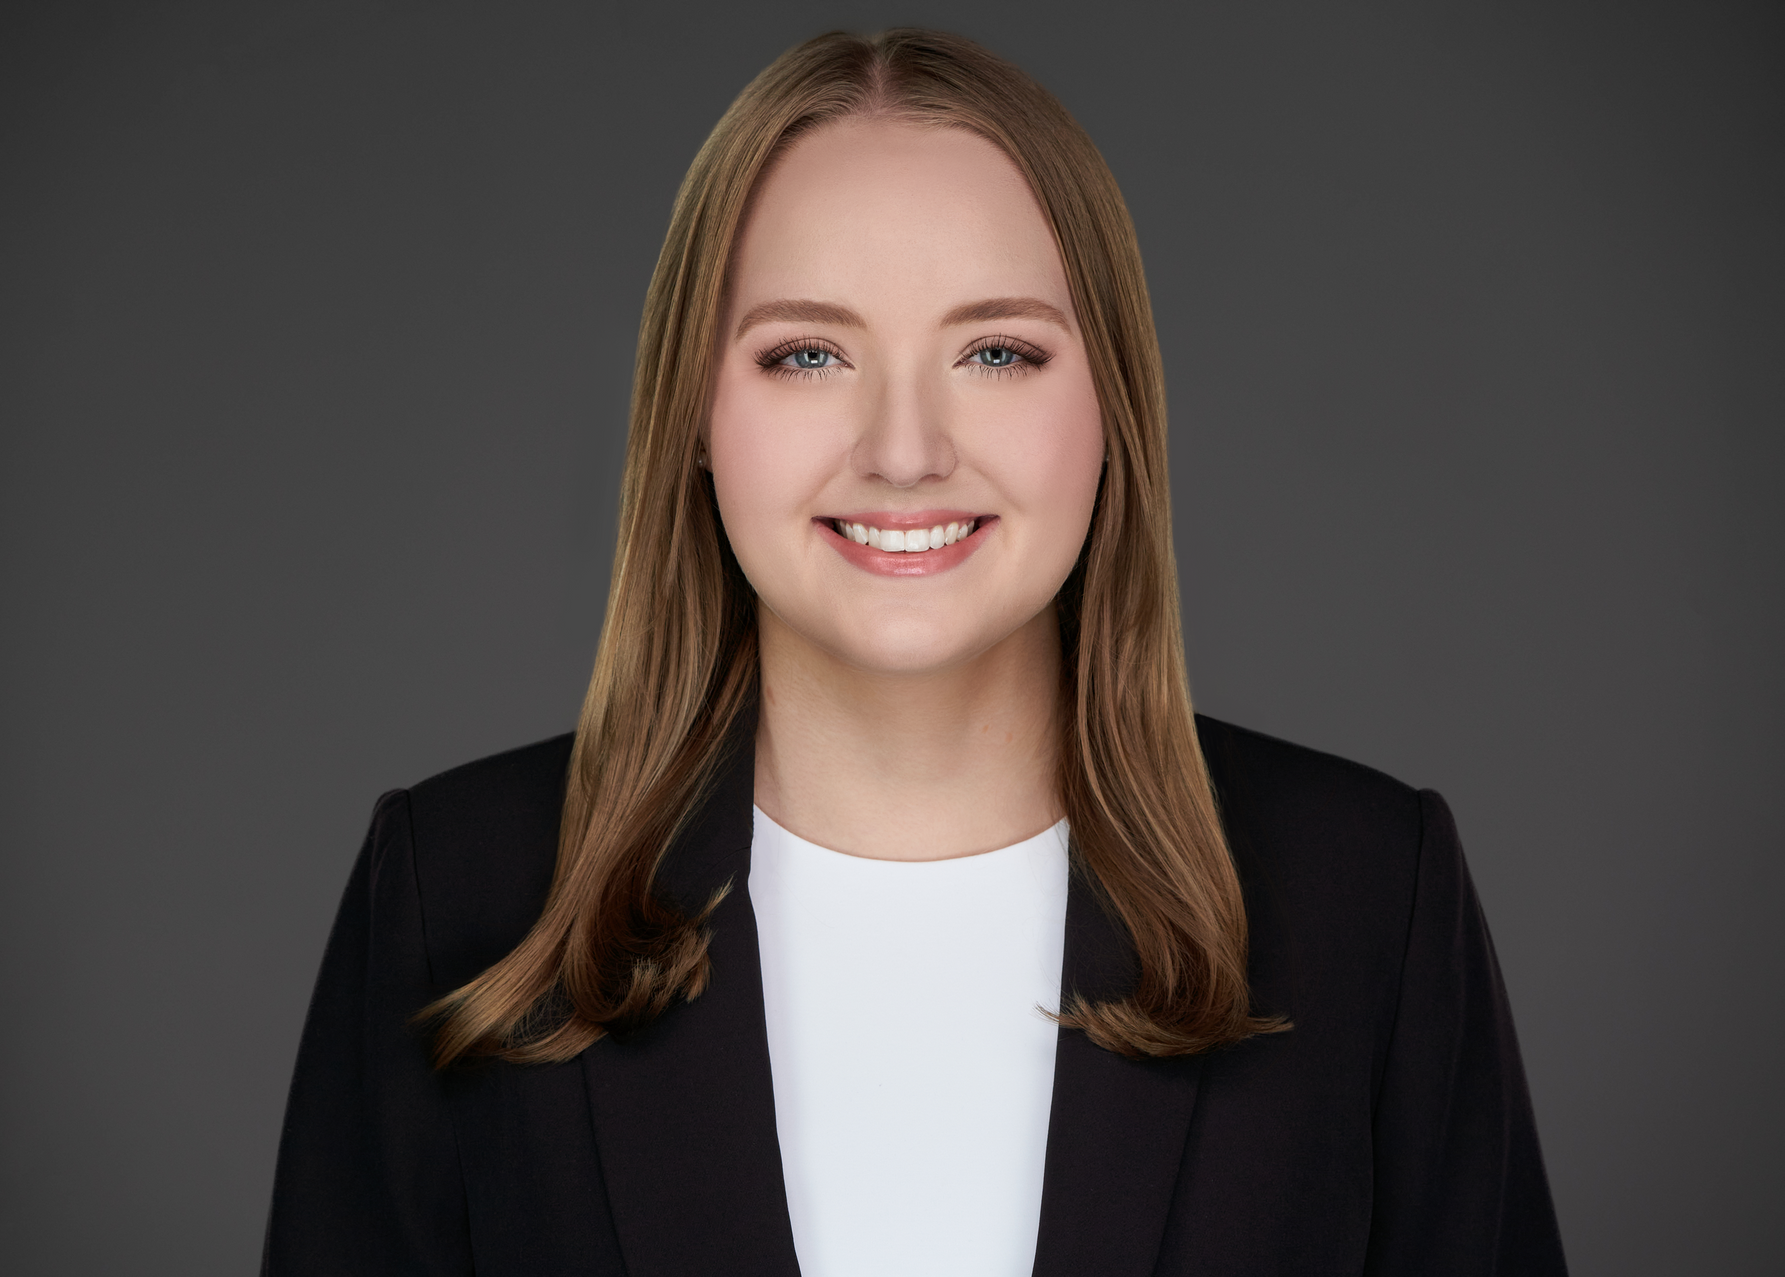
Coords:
pixel 913 541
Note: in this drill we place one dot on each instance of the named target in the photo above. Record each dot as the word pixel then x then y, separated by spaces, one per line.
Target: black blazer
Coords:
pixel 1388 1133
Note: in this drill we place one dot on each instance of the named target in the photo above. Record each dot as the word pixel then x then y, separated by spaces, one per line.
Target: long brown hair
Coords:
pixel 677 663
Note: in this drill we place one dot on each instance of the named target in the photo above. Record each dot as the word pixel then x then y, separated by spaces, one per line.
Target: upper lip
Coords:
pixel 898 521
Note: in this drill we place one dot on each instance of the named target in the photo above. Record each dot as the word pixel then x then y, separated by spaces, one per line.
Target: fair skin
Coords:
pixel 899 348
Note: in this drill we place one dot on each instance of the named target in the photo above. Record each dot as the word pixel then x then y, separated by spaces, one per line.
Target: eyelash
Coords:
pixel 770 360
pixel 1032 357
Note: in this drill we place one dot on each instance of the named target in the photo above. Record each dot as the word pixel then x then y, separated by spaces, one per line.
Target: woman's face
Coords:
pixel 898 355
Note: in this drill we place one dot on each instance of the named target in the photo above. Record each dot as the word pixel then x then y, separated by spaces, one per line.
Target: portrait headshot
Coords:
pixel 858 641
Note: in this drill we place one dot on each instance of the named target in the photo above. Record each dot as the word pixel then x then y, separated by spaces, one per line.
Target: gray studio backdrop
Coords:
pixel 317 325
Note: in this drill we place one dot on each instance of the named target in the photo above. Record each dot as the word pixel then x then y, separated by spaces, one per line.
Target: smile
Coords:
pixel 906 543
pixel 908 540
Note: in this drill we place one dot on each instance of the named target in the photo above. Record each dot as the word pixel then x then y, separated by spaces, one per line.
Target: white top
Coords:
pixel 913 1071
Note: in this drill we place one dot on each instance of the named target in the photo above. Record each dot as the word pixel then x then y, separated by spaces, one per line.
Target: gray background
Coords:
pixel 317 325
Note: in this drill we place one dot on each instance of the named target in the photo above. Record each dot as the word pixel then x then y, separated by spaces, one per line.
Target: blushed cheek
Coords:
pixel 738 456
pixel 1063 465
pixel 759 470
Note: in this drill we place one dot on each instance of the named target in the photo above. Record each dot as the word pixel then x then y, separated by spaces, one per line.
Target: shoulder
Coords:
pixel 484 838
pixel 1332 843
pixel 1259 777
pixel 500 795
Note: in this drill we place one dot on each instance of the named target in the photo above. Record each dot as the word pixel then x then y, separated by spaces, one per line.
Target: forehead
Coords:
pixel 865 211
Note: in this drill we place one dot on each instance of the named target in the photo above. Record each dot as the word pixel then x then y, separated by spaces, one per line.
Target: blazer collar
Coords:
pixel 684 1110
pixel 1117 1128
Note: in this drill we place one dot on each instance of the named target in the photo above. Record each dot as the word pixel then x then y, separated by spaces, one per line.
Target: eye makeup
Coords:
pixel 814 356
pixel 788 358
pixel 1005 356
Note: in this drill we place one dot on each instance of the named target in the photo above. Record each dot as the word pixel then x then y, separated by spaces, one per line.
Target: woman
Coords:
pixel 879 917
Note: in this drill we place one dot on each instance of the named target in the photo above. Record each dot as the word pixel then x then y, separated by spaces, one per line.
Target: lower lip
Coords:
pixel 897 563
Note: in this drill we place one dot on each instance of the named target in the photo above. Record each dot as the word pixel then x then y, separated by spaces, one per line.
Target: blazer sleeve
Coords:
pixel 368 1178
pixel 1459 1181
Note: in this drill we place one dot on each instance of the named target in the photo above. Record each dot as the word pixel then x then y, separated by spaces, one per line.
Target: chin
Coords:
pixel 906 648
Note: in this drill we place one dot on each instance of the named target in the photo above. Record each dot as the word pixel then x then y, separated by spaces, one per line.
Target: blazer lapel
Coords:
pixel 1116 1132
pixel 684 1109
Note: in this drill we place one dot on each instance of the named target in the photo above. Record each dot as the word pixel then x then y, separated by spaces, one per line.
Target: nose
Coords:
pixel 904 437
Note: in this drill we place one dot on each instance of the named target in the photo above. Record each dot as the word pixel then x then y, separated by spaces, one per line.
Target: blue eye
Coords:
pixel 995 357
pixel 809 360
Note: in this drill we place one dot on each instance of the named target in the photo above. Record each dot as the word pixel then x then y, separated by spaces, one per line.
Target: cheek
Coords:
pixel 757 458
pixel 1052 453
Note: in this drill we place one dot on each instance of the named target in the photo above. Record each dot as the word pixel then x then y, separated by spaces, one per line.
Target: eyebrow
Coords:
pixel 1006 308
pixel 799 312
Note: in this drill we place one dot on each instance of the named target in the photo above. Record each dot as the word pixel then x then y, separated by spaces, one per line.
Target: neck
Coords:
pixel 923 766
